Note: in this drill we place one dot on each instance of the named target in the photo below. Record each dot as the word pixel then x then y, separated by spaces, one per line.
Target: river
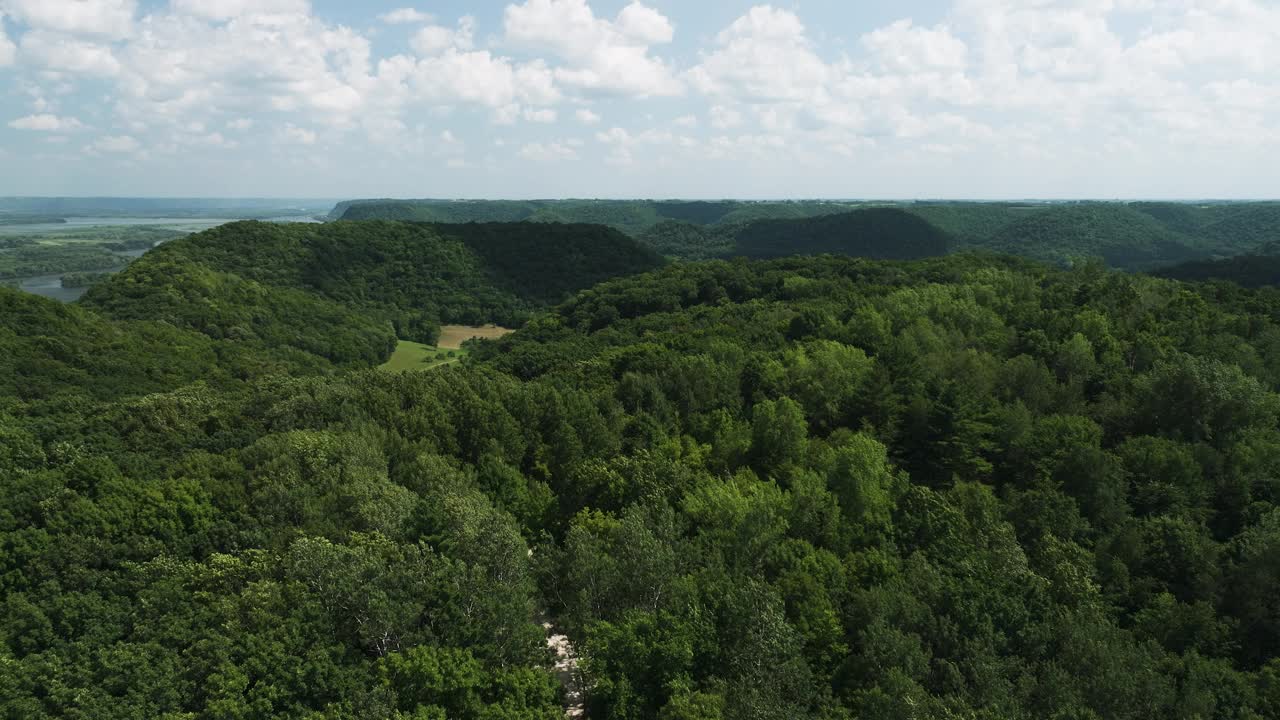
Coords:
pixel 50 286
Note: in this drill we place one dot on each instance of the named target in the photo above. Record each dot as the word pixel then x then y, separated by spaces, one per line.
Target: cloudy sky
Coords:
pixel 661 98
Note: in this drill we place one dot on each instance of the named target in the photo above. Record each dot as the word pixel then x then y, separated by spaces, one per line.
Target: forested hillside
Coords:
pixel 882 233
pixel 345 291
pixel 1251 271
pixel 630 216
pixel 963 487
pixel 1130 236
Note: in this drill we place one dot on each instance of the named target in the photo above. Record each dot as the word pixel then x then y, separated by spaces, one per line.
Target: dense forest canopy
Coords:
pixel 345 291
pixel 1131 236
pixel 831 487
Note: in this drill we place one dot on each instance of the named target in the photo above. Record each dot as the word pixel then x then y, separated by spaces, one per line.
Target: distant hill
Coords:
pixel 630 216
pixel 1227 228
pixel 345 291
pixel 1122 236
pixel 1251 271
pixel 880 233
pixel 1131 236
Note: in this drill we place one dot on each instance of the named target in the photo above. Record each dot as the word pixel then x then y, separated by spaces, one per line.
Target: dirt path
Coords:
pixel 566 667
pixel 567 671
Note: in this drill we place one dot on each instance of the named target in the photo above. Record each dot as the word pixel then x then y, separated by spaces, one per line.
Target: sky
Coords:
pixel 963 99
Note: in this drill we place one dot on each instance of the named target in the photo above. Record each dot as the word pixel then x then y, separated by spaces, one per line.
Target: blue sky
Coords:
pixel 621 98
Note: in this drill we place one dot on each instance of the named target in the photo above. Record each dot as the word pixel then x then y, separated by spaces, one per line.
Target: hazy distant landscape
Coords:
pixel 42 240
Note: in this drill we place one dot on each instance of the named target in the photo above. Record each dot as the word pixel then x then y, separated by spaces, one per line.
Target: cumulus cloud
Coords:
pixel 548 152
pixel 622 143
pixel 598 55
pixel 545 116
pixel 116 144
pixel 7 49
pixel 229 9
pixel 903 47
pixel 405 16
pixel 58 52
pixel 1005 77
pixel 181 66
pixel 46 122
pixel 433 39
pixel 109 18
pixel 763 56
pixel 295 135
pixel 723 118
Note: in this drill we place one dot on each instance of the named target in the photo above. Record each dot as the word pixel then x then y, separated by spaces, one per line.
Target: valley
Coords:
pixel 782 487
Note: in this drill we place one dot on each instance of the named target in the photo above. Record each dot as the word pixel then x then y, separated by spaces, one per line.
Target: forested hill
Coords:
pixel 1131 236
pixel 630 216
pixel 1122 236
pixel 1251 271
pixel 826 487
pixel 883 233
pixel 344 291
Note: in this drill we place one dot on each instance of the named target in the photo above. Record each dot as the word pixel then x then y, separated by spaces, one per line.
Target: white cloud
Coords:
pixel 902 47
pixel 295 135
pixel 405 16
pixel 110 18
pixel 545 116
pixel 548 152
pixel 180 66
pixel 644 25
pixel 119 144
pixel 480 78
pixel 7 48
pixel 53 51
pixel 229 9
pixel 623 143
pixel 433 39
pixel 723 118
pixel 599 55
pixel 46 123
pixel 763 56
pixel 1018 79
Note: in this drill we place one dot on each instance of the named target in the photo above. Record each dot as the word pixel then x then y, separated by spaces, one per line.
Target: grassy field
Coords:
pixel 416 356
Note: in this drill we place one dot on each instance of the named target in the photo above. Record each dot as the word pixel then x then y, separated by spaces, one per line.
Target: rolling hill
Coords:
pixel 345 291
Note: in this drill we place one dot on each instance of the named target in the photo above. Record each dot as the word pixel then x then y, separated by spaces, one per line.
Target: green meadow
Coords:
pixel 416 356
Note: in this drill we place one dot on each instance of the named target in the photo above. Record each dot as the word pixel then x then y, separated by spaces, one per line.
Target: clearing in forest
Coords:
pixel 416 356
pixel 452 336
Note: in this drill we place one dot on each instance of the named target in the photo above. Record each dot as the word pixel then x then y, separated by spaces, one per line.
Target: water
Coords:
pixel 82 223
pixel 50 286
pixel 184 224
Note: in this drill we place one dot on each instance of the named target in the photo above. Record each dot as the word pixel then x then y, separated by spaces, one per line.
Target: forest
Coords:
pixel 917 484
pixel 1131 236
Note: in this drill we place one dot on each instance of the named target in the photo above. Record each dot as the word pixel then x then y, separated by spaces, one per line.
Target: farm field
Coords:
pixel 416 356
pixel 452 336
